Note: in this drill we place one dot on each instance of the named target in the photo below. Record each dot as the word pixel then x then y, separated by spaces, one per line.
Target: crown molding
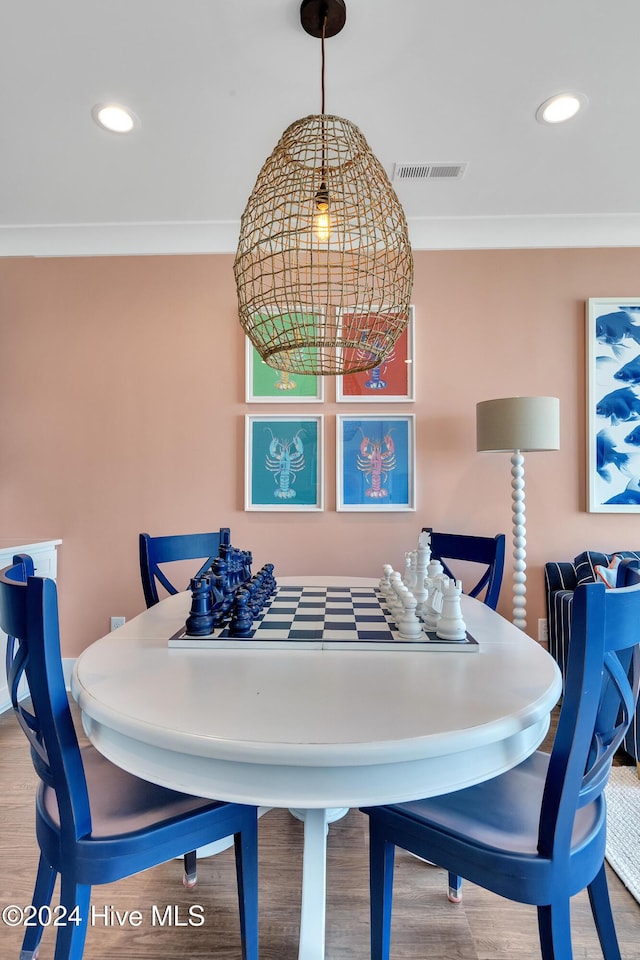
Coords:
pixel 438 233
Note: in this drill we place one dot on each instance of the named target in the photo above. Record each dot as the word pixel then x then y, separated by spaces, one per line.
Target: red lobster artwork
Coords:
pixel 284 463
pixel 376 460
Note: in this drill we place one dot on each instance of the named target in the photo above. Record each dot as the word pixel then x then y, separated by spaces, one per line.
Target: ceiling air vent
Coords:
pixel 429 171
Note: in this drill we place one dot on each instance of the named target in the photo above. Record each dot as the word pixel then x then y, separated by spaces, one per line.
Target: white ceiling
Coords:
pixel 215 82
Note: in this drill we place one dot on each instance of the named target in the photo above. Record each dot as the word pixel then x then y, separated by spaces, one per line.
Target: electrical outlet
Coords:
pixel 543 632
pixel 117 622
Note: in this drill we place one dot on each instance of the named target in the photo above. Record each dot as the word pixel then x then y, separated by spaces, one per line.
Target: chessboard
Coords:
pixel 323 618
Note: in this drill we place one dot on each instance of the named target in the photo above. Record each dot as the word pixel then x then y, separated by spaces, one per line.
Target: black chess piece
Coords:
pixel 200 620
pixel 217 592
pixel 242 619
pixel 223 590
pixel 220 569
pixel 273 586
pixel 256 588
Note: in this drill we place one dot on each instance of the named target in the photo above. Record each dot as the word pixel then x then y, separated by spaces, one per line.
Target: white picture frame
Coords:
pixel 392 381
pixel 284 462
pixel 375 462
pixel 613 404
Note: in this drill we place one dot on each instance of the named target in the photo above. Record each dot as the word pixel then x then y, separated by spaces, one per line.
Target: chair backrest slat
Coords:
pixel 155 551
pixel 489 551
pixel 29 617
pixel 600 696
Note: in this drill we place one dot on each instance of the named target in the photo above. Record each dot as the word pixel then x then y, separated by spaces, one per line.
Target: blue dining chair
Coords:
pixel 537 833
pixel 95 823
pixel 487 551
pixel 155 551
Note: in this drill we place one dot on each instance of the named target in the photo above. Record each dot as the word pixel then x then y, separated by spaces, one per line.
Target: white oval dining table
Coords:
pixel 314 730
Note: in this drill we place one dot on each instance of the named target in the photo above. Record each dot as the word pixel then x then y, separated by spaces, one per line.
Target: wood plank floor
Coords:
pixel 425 925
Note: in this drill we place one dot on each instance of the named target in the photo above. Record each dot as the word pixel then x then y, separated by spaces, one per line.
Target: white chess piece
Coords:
pixel 419 589
pixel 409 627
pixel 433 604
pixel 424 540
pixel 451 626
pixel 385 583
pixel 394 602
pixel 414 570
pixel 408 571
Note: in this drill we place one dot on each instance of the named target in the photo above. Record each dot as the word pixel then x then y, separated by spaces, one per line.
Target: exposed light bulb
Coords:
pixel 323 227
pixel 322 224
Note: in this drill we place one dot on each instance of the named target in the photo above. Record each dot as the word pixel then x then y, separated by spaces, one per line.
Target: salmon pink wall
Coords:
pixel 123 387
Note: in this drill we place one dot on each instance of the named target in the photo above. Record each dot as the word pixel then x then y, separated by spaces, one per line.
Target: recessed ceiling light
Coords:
pixel 115 118
pixel 560 108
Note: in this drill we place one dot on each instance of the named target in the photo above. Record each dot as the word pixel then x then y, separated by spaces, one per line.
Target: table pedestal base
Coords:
pixel 333 813
pixel 314 879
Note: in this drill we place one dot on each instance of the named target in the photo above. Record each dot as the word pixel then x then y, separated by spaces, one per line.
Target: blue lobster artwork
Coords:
pixel 285 459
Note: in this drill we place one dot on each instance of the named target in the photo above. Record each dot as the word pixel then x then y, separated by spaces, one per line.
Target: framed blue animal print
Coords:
pixel 613 405
pixel 375 463
pixel 283 463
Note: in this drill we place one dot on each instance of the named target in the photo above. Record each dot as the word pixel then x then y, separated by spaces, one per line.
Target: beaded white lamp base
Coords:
pixel 519 541
pixel 518 424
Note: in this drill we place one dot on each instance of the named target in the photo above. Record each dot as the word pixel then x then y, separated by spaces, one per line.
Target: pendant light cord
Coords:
pixel 324 132
pixel 324 24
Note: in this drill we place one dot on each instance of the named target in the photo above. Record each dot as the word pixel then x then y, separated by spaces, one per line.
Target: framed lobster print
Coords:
pixel 392 381
pixel 375 463
pixel 283 463
pixel 264 384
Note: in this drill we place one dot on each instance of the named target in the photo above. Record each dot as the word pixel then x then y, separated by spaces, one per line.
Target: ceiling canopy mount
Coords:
pixel 316 13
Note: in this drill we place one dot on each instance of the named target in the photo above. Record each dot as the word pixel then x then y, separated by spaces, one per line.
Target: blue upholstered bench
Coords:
pixel 560 580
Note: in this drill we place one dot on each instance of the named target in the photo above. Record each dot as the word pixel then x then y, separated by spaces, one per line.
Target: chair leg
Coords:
pixel 455 888
pixel 190 877
pixel 598 891
pixel 246 851
pixel 42 893
pixel 554 927
pixel 381 862
pixel 71 936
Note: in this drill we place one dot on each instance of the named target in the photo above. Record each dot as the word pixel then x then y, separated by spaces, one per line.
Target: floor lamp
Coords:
pixel 518 424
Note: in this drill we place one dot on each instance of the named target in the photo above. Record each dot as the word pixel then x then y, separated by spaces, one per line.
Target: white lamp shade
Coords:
pixel 518 423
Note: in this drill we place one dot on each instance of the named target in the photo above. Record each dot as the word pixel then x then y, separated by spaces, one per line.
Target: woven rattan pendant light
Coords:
pixel 324 268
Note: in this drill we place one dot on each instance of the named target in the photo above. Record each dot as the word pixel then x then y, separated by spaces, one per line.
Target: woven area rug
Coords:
pixel 623 826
